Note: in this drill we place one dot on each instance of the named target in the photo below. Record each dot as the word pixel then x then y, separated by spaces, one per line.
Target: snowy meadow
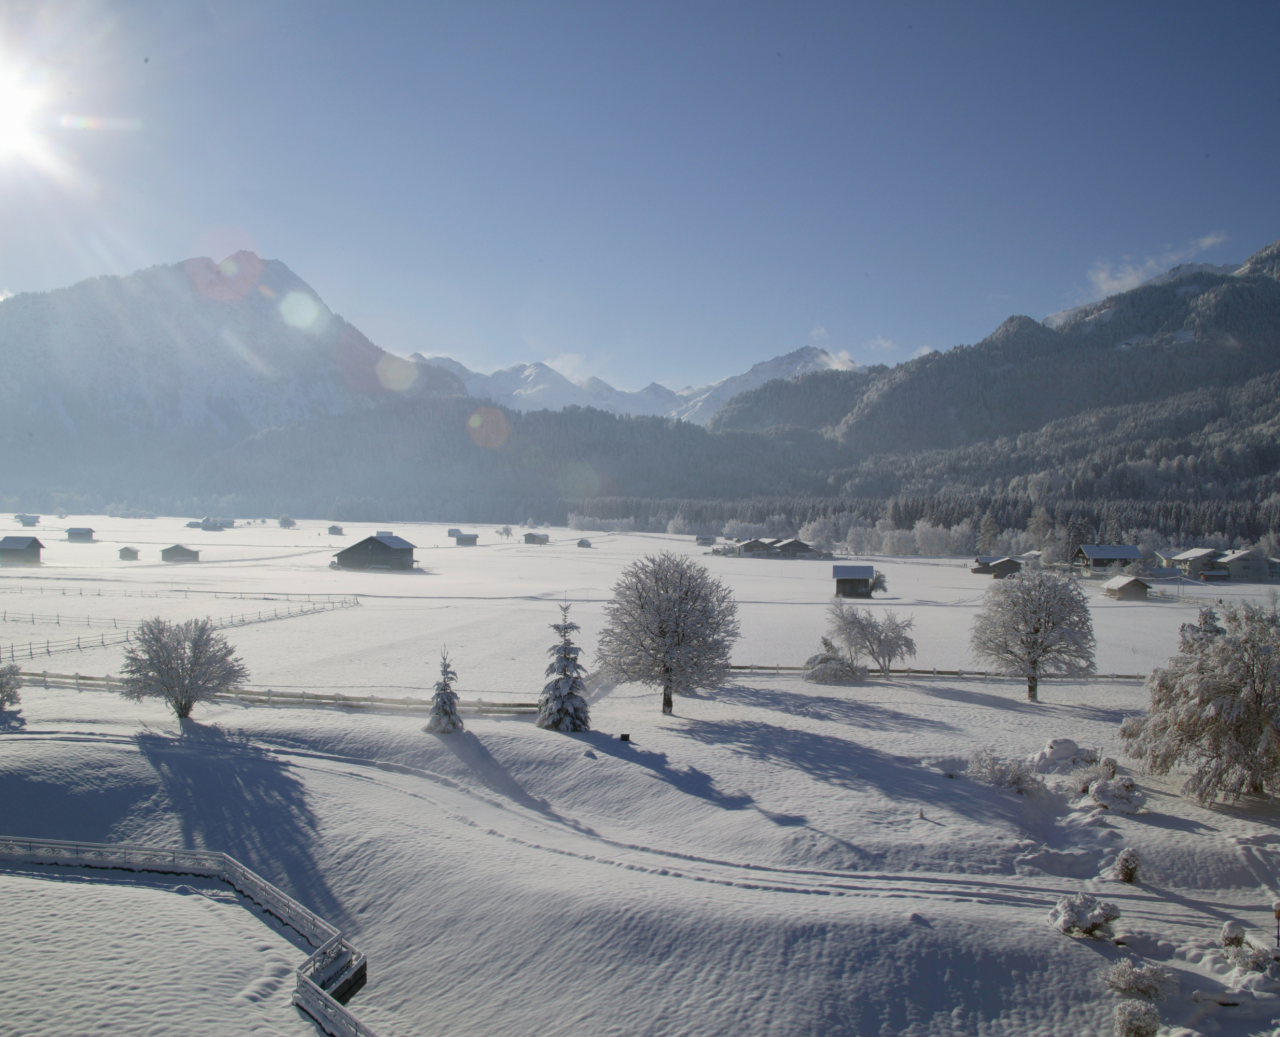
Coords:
pixel 776 858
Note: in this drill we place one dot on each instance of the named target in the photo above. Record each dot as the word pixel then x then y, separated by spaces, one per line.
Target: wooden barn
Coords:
pixel 982 564
pixel 336 531
pixel 128 554
pixel 537 538
pixel 465 539
pixel 792 548
pixel 1099 556
pixel 80 534
pixel 753 547
pixel 1127 588
pixel 1003 567
pixel 705 540
pixel 20 551
pixel 28 520
pixel 384 551
pixel 853 581
pixel 584 543
pixel 178 553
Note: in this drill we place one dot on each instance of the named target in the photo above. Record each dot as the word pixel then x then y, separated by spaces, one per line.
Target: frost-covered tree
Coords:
pixel 286 522
pixel 1033 625
pixel 10 682
pixel 879 583
pixel 1216 706
pixel 182 663
pixel 443 718
pixel 670 624
pixel 860 633
pixel 562 705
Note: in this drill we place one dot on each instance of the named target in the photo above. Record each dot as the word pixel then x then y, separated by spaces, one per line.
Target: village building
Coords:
pixel 336 531
pixel 584 543
pixel 20 551
pixel 1126 588
pixel 792 548
pixel 982 564
pixel 212 525
pixel 1192 563
pixel 1003 567
pixel 1099 556
pixel 705 540
pixel 465 539
pixel 754 547
pixel 537 538
pixel 853 581
pixel 128 554
pixel 384 551
pixel 178 553
pixel 1248 566
pixel 80 534
pixel 28 520
pixel 452 531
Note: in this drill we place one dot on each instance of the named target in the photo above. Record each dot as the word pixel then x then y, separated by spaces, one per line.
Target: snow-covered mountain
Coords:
pixel 537 386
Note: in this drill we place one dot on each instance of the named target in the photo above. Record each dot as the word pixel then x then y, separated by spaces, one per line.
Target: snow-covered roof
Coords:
pixel 853 572
pixel 1196 553
pixel 1117 582
pixel 390 540
pixel 1111 552
pixel 1235 556
pixel 18 543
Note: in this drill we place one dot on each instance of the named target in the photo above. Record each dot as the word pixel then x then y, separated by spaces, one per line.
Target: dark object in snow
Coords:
pixel 624 738
pixel 178 553
pixel 20 551
pixel 384 551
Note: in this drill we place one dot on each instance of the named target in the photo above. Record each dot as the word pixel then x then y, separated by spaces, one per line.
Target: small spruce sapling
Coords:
pixel 10 682
pixel 562 705
pixel 443 718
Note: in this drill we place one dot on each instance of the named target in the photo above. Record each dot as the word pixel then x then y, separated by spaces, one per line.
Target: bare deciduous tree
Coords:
pixel 670 624
pixel 859 632
pixel 1216 706
pixel 1033 625
pixel 10 682
pixel 182 663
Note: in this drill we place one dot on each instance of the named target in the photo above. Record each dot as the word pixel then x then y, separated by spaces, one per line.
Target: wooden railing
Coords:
pixel 334 966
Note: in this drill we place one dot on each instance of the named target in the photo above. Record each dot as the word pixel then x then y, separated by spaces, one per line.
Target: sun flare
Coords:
pixel 19 105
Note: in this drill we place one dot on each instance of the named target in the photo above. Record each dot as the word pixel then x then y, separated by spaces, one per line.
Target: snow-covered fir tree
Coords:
pixel 562 707
pixel 443 718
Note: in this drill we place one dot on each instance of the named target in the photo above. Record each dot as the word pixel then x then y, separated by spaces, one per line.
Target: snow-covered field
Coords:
pixel 777 858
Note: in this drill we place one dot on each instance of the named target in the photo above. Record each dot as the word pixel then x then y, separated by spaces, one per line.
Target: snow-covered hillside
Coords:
pixel 537 386
pixel 776 859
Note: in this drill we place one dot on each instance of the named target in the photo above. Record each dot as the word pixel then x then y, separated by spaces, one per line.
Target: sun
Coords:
pixel 19 105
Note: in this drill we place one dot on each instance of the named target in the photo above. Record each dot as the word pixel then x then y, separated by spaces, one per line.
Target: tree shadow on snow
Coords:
pixel 11 721
pixel 1017 702
pixel 690 781
pixel 851 765
pixel 827 707
pixel 233 796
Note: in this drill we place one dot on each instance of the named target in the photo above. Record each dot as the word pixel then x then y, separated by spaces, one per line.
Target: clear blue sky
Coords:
pixel 646 191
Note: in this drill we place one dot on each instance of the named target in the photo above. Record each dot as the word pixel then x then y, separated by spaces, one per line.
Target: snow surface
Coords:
pixel 777 858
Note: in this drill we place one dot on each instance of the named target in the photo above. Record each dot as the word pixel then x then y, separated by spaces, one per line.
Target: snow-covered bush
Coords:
pixel 1126 864
pixel 1152 982
pixel 1081 913
pixel 1120 795
pixel 831 666
pixel 1232 934
pixel 1079 780
pixel 1216 706
pixel 562 707
pixel 1136 1019
pixel 670 624
pixel 443 717
pixel 1061 756
pixel 1014 775
pixel 182 663
pixel 10 682
pixel 1033 625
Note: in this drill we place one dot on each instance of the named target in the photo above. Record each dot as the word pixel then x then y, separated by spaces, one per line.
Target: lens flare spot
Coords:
pixel 395 372
pixel 488 427
pixel 300 311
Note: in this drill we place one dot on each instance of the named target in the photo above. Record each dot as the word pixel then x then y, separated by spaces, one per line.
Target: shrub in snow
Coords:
pixel 1136 1019
pixel 830 666
pixel 1126 865
pixel 1015 775
pixel 562 707
pixel 670 624
pixel 10 682
pixel 1232 934
pixel 1216 706
pixel 1033 625
pixel 286 522
pixel 182 663
pixel 1081 913
pixel 1080 779
pixel 1061 756
pixel 1152 982
pixel 443 717
pixel 1121 795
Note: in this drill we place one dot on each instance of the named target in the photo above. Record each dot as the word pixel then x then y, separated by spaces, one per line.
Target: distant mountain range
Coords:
pixel 527 387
